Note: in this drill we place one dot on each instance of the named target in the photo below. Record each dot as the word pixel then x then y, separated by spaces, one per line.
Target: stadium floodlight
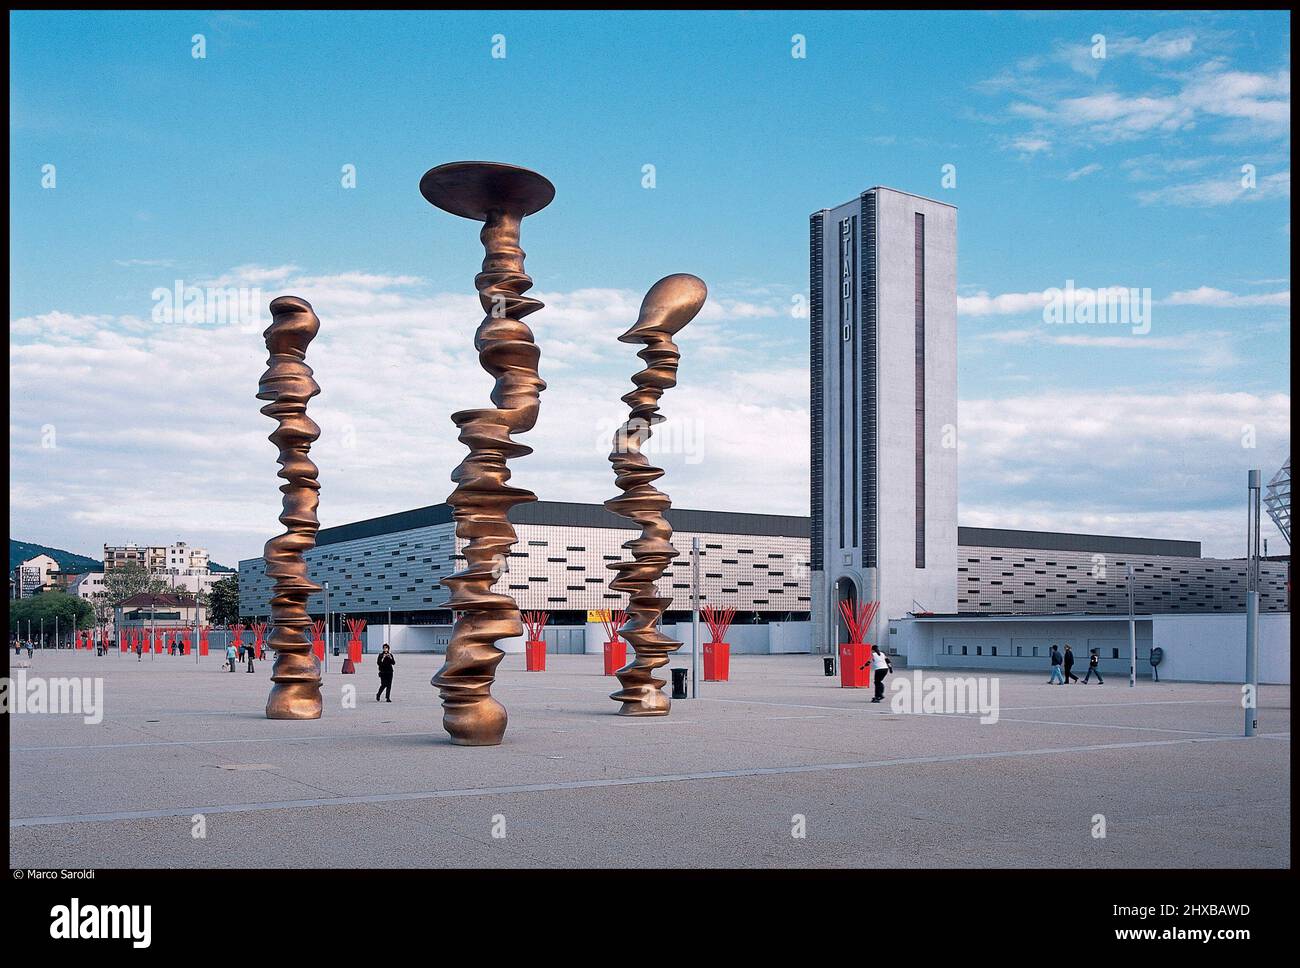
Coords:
pixel 1277 500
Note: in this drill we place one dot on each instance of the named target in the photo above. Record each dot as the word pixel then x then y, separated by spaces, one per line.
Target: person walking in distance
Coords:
pixel 137 651
pixel 251 653
pixel 1057 678
pixel 1093 669
pixel 231 656
pixel 386 661
pixel 1069 666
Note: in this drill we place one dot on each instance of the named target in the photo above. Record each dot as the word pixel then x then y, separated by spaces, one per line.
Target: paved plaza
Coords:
pixel 728 780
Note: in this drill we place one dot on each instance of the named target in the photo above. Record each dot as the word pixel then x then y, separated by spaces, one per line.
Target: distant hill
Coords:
pixel 20 551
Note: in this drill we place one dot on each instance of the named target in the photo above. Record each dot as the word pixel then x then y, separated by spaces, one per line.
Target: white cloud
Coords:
pixel 1029 145
pixel 1207 296
pixel 1161 465
pixel 1085 171
pixel 1005 304
pixel 159 437
pixel 1229 104
pixel 1220 191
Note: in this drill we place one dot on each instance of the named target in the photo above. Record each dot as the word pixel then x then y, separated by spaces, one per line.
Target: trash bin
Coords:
pixel 679 683
pixel 828 665
pixel 336 649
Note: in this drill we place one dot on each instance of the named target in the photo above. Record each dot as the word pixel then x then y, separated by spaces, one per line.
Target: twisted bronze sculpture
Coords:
pixel 671 303
pixel 288 384
pixel 499 196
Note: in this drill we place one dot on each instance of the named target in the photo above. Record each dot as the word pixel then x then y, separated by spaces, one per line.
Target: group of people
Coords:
pixel 1063 667
pixel 244 650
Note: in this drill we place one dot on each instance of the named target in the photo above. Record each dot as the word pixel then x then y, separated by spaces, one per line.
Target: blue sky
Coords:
pixel 1125 171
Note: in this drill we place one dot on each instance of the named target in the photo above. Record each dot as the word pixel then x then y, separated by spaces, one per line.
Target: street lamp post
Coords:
pixel 329 629
pixel 695 618
pixel 1251 692
pixel 1132 630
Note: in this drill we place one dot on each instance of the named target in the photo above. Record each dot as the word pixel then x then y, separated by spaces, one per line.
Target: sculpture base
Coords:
pixel 294 700
pixel 642 702
pixel 482 723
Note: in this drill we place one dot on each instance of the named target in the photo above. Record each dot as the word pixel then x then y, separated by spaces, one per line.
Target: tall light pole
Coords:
pixel 695 617
pixel 1132 631
pixel 1251 692
pixel 329 629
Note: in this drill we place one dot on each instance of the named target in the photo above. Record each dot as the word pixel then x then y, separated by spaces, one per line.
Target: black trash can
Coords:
pixel 679 683
pixel 828 665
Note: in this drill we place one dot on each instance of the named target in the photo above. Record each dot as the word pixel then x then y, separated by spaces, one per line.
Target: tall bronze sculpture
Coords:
pixel 288 385
pixel 499 196
pixel 671 303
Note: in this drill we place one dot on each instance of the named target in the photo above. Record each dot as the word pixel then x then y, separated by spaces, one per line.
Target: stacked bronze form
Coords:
pixel 288 385
pixel 671 303
pixel 499 196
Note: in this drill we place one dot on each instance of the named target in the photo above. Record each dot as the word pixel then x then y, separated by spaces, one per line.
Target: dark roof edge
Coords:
pixel 1064 541
pixel 574 514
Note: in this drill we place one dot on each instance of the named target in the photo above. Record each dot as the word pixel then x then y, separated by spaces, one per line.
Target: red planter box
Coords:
pixel 717 661
pixel 318 649
pixel 354 650
pixel 535 656
pixel 855 665
pixel 615 656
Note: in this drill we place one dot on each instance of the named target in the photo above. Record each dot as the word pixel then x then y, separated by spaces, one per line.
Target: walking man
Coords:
pixel 386 662
pixel 1093 669
pixel 250 654
pixel 1057 678
pixel 1069 666
pixel 231 656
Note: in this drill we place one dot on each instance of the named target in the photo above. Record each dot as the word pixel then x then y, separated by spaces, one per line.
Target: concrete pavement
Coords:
pixel 778 767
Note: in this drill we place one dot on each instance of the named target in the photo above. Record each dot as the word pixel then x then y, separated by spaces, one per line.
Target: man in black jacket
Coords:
pixel 1069 666
pixel 386 662
pixel 1093 669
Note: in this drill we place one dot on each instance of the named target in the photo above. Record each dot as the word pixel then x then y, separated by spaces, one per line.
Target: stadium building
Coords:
pixel 882 524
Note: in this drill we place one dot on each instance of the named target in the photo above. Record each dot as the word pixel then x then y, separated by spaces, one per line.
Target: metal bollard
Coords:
pixel 679 683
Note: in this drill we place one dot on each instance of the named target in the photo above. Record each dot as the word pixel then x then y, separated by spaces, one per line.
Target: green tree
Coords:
pixel 131 579
pixel 121 583
pixel 223 601
pixel 72 612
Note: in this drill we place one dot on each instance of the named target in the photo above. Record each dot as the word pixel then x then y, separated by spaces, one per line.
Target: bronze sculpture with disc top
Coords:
pixel 499 196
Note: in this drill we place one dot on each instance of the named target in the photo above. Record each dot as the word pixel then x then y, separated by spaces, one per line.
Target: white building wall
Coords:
pixel 1202 647
pixel 903 586
pixel 1212 648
